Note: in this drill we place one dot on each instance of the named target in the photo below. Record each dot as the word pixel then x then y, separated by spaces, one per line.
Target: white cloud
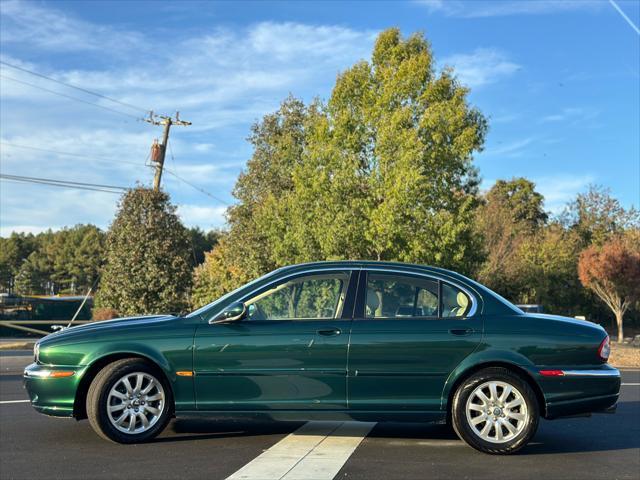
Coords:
pixel 505 117
pixel 570 114
pixel 482 67
pixel 498 8
pixel 560 189
pixel 222 80
pixel 509 149
pixel 48 29
pixel 206 217
pixel 46 207
pixel 35 229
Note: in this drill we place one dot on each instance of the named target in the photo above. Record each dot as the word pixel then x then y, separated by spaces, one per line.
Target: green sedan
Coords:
pixel 369 341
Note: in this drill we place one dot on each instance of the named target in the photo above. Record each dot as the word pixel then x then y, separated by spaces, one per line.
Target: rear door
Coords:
pixel 289 353
pixel 409 333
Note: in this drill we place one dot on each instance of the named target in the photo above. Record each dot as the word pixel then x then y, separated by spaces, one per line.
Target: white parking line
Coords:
pixel 14 401
pixel 317 451
pixel 626 384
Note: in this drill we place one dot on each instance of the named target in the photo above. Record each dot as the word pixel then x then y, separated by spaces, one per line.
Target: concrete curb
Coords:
pixel 17 345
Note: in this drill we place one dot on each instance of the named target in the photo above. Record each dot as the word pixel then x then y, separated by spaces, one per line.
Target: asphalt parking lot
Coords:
pixel 34 446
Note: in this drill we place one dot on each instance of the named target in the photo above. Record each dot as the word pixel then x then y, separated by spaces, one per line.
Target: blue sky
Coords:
pixel 559 81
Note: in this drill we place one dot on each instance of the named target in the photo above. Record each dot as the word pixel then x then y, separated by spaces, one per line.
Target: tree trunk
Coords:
pixel 619 315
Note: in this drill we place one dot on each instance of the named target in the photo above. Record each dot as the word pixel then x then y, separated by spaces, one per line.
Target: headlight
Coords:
pixel 36 352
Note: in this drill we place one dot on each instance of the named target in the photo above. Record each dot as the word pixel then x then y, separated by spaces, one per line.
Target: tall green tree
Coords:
pixel 247 250
pixel 386 172
pixel 33 276
pixel 546 265
pixel 383 170
pixel 202 242
pixel 74 256
pixel 14 250
pixel 148 265
pixel 511 213
pixel 67 260
pixel 520 198
pixel 597 216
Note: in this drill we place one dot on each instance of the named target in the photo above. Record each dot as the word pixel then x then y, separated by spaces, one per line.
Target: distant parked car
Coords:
pixel 363 340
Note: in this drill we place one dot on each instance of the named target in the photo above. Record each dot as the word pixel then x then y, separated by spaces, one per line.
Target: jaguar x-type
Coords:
pixel 361 340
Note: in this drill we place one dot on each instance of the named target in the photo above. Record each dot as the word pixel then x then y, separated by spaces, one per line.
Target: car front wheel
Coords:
pixel 129 402
pixel 495 411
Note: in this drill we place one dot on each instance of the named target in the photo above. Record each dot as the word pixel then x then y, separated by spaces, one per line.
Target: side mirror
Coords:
pixel 234 312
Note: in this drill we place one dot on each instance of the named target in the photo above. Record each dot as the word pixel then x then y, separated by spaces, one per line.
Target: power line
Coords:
pixel 173 160
pixel 107 159
pixel 70 154
pixel 65 183
pixel 58 185
pixel 70 97
pixel 115 100
pixel 201 190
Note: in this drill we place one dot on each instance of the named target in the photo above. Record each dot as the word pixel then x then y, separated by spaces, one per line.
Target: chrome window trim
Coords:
pixel 474 300
pixel 591 373
pixel 472 297
pixel 294 274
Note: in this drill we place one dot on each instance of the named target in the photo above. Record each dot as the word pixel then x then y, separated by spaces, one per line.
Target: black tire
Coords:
pixel 466 431
pixel 97 398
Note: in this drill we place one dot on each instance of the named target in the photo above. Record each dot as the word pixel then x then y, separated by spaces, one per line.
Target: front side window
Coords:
pixel 312 297
pixel 391 296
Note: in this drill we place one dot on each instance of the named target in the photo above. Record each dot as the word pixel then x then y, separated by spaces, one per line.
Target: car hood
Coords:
pixel 565 320
pixel 107 325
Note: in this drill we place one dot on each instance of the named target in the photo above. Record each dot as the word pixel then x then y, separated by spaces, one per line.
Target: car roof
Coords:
pixel 373 263
pixel 365 263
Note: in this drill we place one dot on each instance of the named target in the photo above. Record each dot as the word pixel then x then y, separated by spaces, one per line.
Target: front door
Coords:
pixel 409 333
pixel 289 353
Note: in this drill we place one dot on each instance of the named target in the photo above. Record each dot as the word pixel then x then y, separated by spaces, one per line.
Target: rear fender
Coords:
pixel 488 358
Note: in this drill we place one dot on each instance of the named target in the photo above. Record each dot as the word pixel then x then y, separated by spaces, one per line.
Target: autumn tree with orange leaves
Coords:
pixel 612 271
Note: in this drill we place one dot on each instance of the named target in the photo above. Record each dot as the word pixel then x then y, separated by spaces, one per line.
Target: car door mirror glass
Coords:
pixel 234 312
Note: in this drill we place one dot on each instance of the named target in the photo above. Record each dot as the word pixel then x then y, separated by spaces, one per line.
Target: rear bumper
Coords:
pixel 52 395
pixel 604 404
pixel 580 391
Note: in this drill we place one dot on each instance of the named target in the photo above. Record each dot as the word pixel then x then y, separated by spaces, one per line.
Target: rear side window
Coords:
pixel 455 303
pixel 391 296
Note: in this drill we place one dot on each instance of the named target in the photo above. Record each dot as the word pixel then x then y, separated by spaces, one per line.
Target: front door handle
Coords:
pixel 461 331
pixel 329 332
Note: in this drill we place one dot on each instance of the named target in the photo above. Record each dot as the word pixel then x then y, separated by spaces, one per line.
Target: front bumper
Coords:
pixel 580 391
pixel 49 392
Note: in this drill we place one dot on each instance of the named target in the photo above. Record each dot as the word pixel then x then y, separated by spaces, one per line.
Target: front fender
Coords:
pixel 169 361
pixel 134 349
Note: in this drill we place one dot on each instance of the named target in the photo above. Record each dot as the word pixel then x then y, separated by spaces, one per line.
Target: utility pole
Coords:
pixel 158 151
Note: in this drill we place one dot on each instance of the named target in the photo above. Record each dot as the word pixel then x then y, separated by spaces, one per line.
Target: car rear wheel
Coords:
pixel 495 411
pixel 129 402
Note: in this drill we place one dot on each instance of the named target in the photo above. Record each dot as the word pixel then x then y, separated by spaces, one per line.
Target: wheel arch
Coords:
pixel 79 404
pixel 460 376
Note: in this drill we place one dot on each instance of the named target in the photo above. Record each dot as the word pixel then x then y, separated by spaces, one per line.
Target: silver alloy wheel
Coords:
pixel 136 402
pixel 496 412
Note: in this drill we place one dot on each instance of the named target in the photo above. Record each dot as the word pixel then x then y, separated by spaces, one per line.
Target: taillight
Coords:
pixel 604 349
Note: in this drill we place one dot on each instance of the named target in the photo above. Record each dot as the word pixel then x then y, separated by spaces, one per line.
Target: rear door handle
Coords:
pixel 329 333
pixel 461 331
